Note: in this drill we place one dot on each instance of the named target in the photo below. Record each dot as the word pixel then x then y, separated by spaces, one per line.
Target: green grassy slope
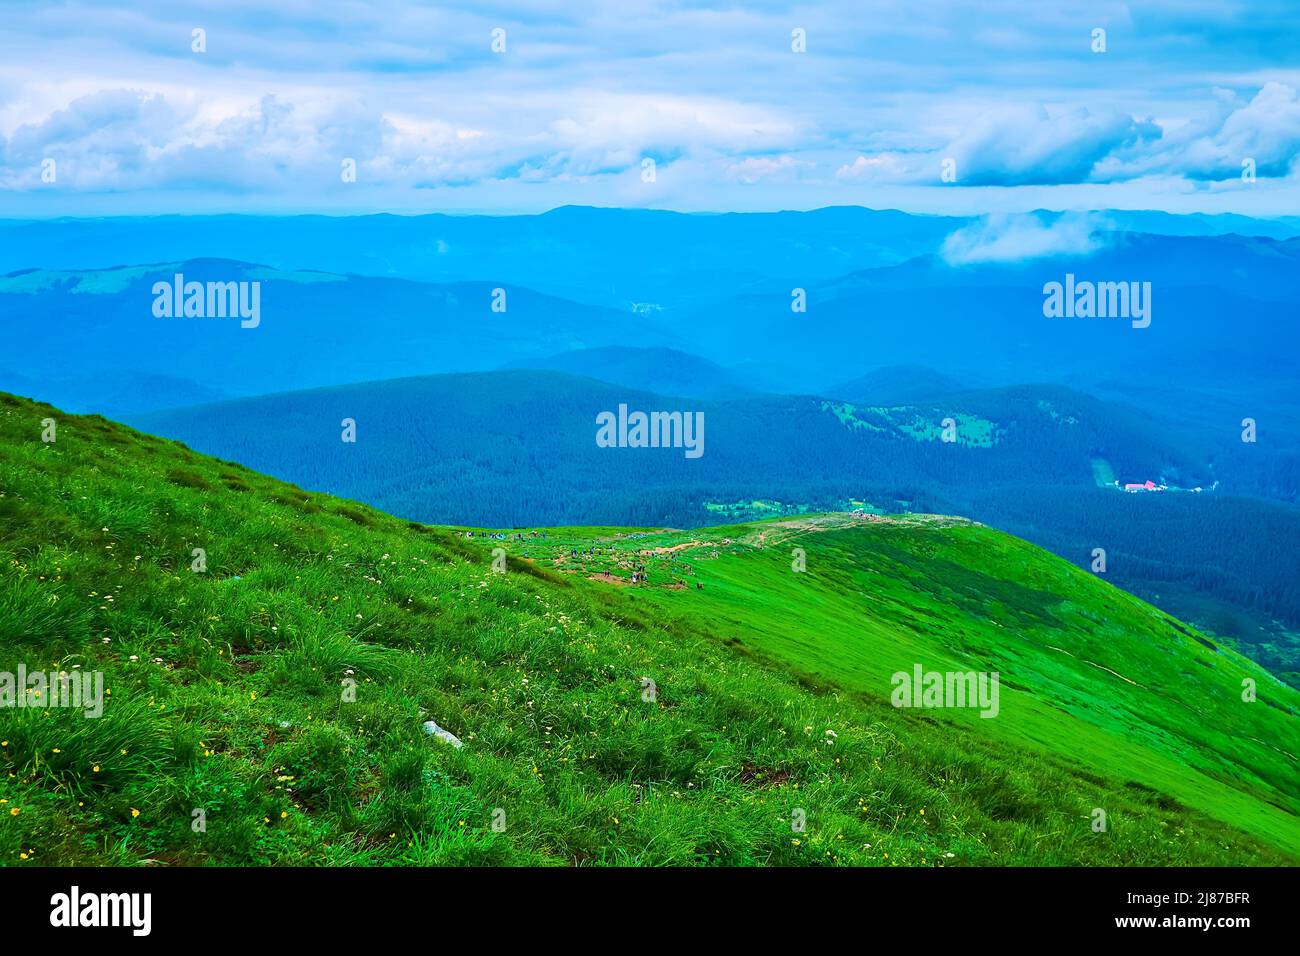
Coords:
pixel 1088 671
pixel 225 689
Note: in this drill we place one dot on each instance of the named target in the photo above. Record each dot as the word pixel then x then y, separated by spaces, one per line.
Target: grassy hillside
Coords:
pixel 1088 671
pixel 225 688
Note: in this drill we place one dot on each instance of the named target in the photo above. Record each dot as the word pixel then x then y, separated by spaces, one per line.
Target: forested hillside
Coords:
pixel 447 448
pixel 515 449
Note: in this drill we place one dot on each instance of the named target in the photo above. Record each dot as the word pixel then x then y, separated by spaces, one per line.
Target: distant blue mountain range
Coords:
pixel 1222 310
pixel 613 257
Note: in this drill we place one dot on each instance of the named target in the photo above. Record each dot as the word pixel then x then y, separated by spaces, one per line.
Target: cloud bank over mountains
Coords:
pixel 523 106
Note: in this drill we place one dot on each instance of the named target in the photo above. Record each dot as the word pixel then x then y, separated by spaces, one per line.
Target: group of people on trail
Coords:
pixel 638 573
pixel 505 535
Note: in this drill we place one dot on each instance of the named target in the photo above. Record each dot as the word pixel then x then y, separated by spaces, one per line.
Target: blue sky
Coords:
pixel 137 122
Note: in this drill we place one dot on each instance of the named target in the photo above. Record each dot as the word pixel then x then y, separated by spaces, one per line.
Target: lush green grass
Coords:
pixel 1088 671
pixel 226 689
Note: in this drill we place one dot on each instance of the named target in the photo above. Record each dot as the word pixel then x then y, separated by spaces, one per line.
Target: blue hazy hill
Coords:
pixel 1223 308
pixel 665 371
pixel 111 392
pixel 897 385
pixel 314 328
pixel 613 257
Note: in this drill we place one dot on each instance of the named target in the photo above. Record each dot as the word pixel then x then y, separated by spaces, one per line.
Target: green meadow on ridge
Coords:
pixel 227 688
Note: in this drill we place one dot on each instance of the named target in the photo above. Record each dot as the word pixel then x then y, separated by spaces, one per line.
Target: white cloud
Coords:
pixel 754 169
pixel 1013 238
pixel 1266 129
pixel 881 167
pixel 412 92
pixel 1029 145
